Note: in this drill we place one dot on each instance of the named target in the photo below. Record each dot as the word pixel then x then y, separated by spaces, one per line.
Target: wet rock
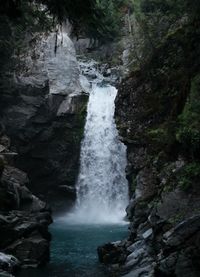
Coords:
pixel 130 208
pixel 111 254
pixel 33 251
pixel 68 190
pixel 107 73
pixel 139 261
pixel 8 264
pixel 148 234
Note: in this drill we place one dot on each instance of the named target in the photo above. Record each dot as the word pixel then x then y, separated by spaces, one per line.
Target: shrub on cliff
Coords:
pixel 188 133
pixel 154 20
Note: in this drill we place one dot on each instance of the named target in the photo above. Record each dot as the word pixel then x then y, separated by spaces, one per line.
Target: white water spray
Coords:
pixel 102 189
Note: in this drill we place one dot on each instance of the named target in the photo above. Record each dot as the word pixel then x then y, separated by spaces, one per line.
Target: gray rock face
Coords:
pixel 62 66
pixel 44 114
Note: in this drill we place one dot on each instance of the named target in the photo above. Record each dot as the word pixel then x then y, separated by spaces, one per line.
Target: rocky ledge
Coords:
pixel 174 253
pixel 24 218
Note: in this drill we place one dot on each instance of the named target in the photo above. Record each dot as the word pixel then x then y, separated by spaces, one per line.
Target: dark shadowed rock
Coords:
pixel 24 221
pixel 8 263
pixel 182 232
pixel 32 251
pixel 164 207
pixel 145 184
pixel 111 254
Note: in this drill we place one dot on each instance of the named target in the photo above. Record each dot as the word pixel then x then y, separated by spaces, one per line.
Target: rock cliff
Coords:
pixel 43 110
pixel 163 173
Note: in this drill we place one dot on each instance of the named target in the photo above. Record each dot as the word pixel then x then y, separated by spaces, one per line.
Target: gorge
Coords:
pixel 102 192
pixel 99 138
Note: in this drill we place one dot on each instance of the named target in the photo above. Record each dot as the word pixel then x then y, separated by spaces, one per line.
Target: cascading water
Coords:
pixel 102 190
pixel 102 194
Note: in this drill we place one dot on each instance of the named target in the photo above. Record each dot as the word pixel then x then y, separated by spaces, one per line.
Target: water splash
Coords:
pixel 102 189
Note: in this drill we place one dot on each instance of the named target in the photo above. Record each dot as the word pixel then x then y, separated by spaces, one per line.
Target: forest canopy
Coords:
pixel 96 18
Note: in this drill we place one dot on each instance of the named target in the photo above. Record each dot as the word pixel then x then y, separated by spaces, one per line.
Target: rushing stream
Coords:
pixel 102 196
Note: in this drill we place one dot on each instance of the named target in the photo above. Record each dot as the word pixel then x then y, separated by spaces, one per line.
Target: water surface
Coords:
pixel 73 250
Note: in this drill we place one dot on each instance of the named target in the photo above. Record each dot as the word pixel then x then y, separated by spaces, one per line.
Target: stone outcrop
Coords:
pixel 8 265
pixel 44 114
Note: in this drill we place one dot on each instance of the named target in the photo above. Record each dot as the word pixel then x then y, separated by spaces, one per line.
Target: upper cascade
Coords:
pixel 102 189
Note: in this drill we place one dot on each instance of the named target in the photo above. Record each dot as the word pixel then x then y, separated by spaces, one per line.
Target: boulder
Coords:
pixel 183 231
pixel 8 263
pixel 32 251
pixel 111 253
pixel 139 259
pixel 13 175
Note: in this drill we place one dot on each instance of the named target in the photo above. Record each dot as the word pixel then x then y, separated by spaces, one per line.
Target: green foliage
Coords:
pixel 105 26
pixel 188 133
pixel 189 175
pixel 162 138
pixel 98 19
pixel 20 23
pixel 178 217
pixel 154 20
pixel 158 134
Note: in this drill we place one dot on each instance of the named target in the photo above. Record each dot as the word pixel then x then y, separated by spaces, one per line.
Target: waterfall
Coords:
pixel 102 189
